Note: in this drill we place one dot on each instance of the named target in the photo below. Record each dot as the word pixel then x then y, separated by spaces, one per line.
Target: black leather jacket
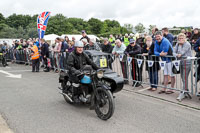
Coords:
pixel 77 61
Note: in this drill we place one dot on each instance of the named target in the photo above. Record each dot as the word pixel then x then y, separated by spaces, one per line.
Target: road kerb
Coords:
pixel 4 126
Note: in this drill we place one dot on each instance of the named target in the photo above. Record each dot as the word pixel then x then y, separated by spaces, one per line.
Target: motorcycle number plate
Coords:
pixel 103 62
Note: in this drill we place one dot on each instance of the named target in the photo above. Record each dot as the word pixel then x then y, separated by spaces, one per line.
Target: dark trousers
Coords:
pixel 153 75
pixel 45 62
pixel 124 70
pixel 136 71
pixel 35 65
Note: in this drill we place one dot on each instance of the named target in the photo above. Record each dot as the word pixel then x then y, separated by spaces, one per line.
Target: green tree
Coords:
pixel 58 24
pixel 2 18
pixel 129 27
pixel 123 30
pixel 151 27
pixel 96 25
pixel 104 28
pixel 78 24
pixel 15 21
pixel 140 28
pixel 31 30
pixel 8 32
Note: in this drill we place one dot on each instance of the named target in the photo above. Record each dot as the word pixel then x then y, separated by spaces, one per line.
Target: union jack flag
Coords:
pixel 42 21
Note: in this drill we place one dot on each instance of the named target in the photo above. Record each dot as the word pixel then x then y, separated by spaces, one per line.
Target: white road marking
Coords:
pixel 19 71
pixel 144 89
pixel 11 75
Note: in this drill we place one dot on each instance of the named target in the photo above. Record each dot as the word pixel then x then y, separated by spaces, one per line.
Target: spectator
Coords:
pixel 84 35
pixel 182 50
pixel 132 50
pixel 92 45
pixel 74 39
pixel 64 47
pixel 36 42
pixel 154 30
pixel 106 47
pixel 85 43
pixel 35 57
pixel 117 50
pixel 57 50
pixel 67 39
pixel 45 54
pixel 126 40
pixel 162 48
pixel 140 41
pixel 71 47
pixel 148 51
pixel 195 36
pixel 112 40
pixel 118 37
pixel 197 50
pixel 183 31
pixel 168 35
pixel 51 55
pixel 188 34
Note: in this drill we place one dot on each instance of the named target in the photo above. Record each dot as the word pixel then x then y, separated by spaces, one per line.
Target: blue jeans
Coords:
pixel 61 62
pixel 153 75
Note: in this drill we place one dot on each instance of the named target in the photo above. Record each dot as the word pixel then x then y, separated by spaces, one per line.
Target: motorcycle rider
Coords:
pixel 77 60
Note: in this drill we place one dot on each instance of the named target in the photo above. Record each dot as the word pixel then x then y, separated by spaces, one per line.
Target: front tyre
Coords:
pixel 105 106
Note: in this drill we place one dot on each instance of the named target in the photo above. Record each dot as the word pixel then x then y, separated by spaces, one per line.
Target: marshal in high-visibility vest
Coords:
pixel 112 41
pixel 35 54
pixel 126 41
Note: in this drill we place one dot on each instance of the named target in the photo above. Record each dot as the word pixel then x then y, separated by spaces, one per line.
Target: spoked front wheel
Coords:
pixel 105 105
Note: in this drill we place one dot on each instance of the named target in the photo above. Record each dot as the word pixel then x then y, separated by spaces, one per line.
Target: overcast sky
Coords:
pixel 156 12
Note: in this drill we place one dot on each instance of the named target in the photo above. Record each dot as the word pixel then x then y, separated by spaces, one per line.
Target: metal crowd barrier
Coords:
pixel 141 69
pixel 18 56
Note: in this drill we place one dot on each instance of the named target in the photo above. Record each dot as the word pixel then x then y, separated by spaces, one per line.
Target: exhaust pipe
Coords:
pixel 60 88
pixel 67 96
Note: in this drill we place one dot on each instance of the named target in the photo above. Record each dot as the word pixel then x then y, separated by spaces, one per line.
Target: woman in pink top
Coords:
pixel 57 53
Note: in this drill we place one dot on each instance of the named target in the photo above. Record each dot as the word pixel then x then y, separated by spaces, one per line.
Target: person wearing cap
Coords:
pixel 126 40
pixel 84 35
pixel 131 51
pixel 112 40
pixel 92 45
pixel 77 60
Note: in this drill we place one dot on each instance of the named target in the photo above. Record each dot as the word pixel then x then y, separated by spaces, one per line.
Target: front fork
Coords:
pixel 94 86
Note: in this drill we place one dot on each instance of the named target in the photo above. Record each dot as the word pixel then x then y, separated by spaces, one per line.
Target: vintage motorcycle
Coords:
pixel 96 88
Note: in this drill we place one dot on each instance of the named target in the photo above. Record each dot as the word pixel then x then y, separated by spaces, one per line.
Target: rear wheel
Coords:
pixel 4 62
pixel 105 105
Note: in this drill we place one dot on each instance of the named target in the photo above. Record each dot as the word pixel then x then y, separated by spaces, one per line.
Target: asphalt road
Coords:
pixel 32 104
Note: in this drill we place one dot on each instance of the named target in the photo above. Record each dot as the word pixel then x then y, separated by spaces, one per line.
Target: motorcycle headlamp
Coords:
pixel 100 74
